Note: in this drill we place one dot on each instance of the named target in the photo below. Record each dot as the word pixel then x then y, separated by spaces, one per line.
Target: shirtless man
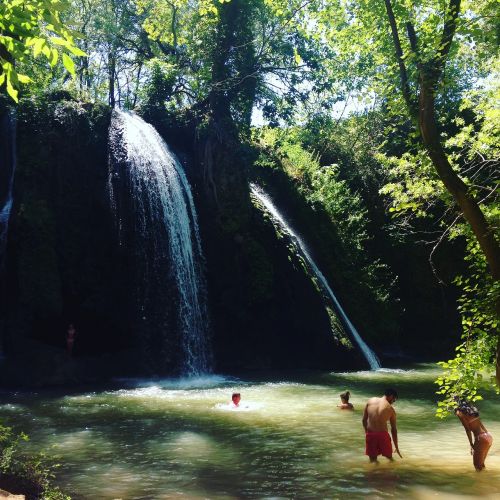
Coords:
pixel 378 412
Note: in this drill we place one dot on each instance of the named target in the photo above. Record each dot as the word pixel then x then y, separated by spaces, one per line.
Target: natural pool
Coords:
pixel 175 439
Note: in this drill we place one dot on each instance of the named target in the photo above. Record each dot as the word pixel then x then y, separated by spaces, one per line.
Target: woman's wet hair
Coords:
pixel 464 406
pixel 345 396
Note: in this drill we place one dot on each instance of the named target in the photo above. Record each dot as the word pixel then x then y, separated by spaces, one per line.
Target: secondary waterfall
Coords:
pixel 370 356
pixel 7 167
pixel 167 241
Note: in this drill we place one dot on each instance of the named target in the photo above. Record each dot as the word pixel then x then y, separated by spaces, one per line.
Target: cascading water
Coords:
pixel 263 198
pixel 7 168
pixel 167 241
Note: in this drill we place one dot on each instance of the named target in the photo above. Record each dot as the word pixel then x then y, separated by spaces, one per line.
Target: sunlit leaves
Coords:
pixel 472 368
pixel 480 139
pixel 414 184
pixel 360 35
pixel 31 29
pixel 467 101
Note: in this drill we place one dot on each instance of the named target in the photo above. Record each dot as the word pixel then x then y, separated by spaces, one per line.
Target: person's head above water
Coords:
pixel 465 407
pixel 236 397
pixel 391 395
pixel 344 397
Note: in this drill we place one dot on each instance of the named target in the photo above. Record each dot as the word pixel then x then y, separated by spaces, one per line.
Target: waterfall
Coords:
pixel 370 356
pixel 7 167
pixel 167 241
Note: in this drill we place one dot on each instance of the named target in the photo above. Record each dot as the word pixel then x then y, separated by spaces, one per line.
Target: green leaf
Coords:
pixel 76 51
pixel 68 64
pixel 23 78
pixel 12 91
pixel 54 57
pixel 38 46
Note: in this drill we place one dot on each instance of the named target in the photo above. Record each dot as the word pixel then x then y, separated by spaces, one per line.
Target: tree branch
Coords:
pixel 449 28
pixel 403 73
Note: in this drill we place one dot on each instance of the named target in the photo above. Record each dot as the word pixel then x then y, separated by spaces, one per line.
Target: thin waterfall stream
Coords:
pixel 167 240
pixel 278 218
pixel 7 168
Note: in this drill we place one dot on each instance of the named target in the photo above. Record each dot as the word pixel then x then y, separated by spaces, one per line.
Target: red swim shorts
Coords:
pixel 378 443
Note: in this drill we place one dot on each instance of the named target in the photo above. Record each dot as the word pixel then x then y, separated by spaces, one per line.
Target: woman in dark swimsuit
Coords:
pixel 469 416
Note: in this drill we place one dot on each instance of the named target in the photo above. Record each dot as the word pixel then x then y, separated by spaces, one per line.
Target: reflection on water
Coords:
pixel 170 439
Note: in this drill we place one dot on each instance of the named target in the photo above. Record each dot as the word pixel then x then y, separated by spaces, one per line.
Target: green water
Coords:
pixel 166 439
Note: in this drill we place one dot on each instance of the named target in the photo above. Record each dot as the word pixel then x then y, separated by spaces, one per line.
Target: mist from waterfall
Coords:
pixel 301 247
pixel 168 243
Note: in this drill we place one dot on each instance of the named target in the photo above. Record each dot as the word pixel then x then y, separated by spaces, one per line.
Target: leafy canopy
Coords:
pixel 29 29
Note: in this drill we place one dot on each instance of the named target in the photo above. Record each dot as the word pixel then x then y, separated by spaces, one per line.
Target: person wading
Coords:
pixel 378 412
pixel 469 416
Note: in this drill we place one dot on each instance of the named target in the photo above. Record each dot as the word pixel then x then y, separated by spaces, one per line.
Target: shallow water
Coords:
pixel 179 439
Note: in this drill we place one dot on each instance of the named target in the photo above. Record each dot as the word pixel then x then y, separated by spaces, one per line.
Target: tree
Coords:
pixel 118 49
pixel 429 67
pixel 29 28
pixel 226 57
pixel 419 58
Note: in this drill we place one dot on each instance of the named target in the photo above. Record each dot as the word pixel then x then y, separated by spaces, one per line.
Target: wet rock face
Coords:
pixel 11 496
pixel 68 260
pixel 62 264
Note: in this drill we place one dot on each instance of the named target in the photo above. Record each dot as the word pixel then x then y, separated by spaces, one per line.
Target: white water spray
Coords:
pixel 165 214
pixel 370 356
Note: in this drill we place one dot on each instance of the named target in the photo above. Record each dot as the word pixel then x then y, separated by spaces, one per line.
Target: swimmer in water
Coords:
pixel 236 398
pixel 469 416
pixel 344 401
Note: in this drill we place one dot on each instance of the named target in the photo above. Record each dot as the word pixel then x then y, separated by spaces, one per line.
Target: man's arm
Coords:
pixel 394 432
pixel 365 419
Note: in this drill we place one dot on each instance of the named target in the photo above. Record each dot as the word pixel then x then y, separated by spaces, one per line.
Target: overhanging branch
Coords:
pixel 403 73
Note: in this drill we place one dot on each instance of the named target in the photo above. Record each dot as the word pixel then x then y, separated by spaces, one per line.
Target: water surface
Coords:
pixel 178 439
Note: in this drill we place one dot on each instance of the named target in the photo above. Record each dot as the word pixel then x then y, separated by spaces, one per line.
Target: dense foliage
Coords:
pixel 29 29
pixel 33 474
pixel 322 186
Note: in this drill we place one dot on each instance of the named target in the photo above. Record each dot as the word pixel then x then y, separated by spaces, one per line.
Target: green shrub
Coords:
pixel 33 473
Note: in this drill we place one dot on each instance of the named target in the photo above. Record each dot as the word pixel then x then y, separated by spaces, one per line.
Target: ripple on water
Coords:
pixel 160 441
pixel 201 382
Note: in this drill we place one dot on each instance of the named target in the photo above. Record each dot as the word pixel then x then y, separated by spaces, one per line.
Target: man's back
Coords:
pixel 379 412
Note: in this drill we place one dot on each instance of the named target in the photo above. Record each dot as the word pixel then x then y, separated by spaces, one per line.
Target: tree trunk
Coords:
pixel 429 76
pixel 457 188
pixel 111 76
